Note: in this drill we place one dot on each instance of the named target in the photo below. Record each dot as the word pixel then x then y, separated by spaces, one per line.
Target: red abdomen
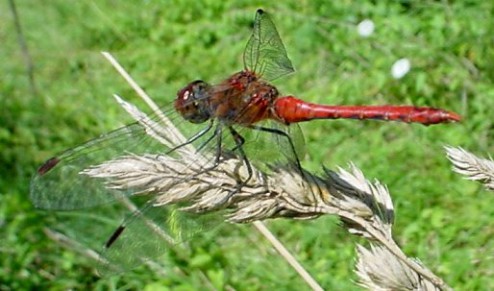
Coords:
pixel 290 109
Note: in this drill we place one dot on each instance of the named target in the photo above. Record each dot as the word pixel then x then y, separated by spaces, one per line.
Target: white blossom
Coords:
pixel 400 68
pixel 365 28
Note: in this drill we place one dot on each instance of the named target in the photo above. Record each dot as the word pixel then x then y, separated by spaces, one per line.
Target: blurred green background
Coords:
pixel 441 218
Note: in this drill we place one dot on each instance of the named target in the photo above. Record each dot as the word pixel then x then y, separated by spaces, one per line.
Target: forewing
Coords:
pixel 60 183
pixel 129 167
pixel 265 53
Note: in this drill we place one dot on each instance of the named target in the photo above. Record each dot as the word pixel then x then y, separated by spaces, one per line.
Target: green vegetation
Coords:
pixel 441 218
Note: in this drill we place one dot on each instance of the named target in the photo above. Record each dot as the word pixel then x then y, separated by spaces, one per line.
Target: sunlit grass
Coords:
pixel 441 219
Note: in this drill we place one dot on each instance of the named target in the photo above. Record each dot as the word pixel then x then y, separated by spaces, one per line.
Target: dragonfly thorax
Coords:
pixel 192 100
pixel 244 99
pixel 252 87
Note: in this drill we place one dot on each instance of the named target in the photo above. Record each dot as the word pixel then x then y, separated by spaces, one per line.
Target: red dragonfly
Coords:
pixel 243 101
pixel 246 98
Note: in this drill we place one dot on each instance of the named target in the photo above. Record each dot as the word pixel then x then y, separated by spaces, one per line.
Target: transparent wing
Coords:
pixel 265 53
pixel 148 234
pixel 271 142
pixel 131 230
pixel 60 183
pixel 162 232
pixel 99 208
pixel 122 221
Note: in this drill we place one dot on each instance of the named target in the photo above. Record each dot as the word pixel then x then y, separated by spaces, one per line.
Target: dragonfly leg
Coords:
pixel 239 142
pixel 201 146
pixel 194 138
pixel 282 134
pixel 294 152
pixel 218 135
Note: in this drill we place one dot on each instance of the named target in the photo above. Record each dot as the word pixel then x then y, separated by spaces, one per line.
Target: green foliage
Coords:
pixel 441 219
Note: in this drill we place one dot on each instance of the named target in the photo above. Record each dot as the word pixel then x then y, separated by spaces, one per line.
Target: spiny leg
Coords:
pixel 219 139
pixel 292 148
pixel 201 133
pixel 239 142
pixel 206 142
pixel 285 135
pixel 194 138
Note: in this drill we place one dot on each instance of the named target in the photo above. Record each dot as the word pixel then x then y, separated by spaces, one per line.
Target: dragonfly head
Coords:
pixel 192 100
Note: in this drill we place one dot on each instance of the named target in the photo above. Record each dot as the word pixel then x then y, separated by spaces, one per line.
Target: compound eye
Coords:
pixel 191 101
pixel 189 92
pixel 199 89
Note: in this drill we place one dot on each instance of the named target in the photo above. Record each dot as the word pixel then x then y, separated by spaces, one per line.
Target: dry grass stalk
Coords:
pixel 471 166
pixel 365 208
pixel 378 269
pixel 177 138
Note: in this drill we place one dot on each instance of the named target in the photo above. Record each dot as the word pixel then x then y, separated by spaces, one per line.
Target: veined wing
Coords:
pixel 148 234
pixel 265 53
pixel 129 178
pixel 70 182
pixel 60 183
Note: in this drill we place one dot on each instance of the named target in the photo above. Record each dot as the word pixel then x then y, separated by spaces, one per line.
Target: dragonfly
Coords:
pixel 246 98
pixel 228 117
